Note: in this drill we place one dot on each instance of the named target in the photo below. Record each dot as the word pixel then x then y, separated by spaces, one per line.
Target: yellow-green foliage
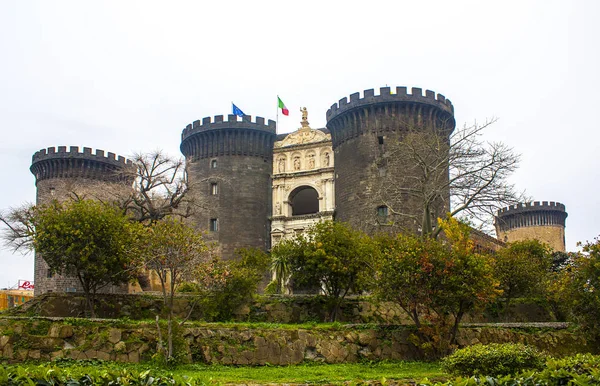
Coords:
pixel 332 254
pixel 436 283
pixel 493 359
pixel 581 370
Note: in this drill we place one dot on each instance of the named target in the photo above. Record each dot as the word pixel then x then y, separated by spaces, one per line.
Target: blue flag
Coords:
pixel 237 111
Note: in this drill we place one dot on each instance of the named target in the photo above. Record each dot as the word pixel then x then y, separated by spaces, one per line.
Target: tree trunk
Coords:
pixel 454 331
pixel 88 296
pixel 170 335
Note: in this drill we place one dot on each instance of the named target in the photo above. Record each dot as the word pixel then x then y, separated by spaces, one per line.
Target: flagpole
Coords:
pixel 277 119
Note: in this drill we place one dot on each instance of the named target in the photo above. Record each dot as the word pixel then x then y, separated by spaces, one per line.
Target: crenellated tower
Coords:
pixel 59 174
pixel 230 175
pixel 543 221
pixel 366 131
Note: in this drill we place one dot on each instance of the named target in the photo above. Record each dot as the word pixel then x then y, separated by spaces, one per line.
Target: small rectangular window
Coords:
pixel 213 164
pixel 382 211
pixel 214 188
pixel 380 139
pixel 214 225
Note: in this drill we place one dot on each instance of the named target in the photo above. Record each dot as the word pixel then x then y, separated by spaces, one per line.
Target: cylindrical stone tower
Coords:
pixel 58 175
pixel 543 221
pixel 230 176
pixel 365 132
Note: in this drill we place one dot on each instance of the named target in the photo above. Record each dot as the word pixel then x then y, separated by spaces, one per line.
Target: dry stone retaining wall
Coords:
pixel 43 339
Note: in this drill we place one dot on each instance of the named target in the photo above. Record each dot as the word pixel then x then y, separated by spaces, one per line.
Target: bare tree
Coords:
pixel 463 175
pixel 18 224
pixel 157 186
pixel 161 188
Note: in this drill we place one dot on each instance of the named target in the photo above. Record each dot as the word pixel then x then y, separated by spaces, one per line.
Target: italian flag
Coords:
pixel 281 105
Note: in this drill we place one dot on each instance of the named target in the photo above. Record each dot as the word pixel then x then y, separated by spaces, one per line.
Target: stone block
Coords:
pixel 133 357
pixel 103 355
pixel 120 347
pixel 114 335
pixel 7 351
pixel 122 358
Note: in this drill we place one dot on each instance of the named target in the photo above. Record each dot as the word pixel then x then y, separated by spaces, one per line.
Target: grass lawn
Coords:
pixel 304 373
pixel 314 373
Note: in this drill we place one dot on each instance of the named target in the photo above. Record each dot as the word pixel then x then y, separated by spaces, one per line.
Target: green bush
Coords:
pixel 188 287
pixel 230 285
pixel 493 360
pixel 51 375
pixel 581 370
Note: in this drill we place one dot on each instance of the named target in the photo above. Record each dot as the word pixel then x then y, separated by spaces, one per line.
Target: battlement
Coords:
pixel 386 96
pixel 217 122
pixel 57 162
pixel 531 214
pixel 531 207
pixel 61 152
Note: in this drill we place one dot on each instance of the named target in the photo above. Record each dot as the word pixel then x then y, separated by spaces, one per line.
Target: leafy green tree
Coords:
pixel 332 256
pixel 89 240
pixel 577 287
pixel 172 250
pixel 436 283
pixel 522 268
pixel 226 285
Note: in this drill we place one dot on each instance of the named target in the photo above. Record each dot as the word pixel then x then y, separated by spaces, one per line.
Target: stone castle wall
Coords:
pixel 230 177
pixel 365 132
pixel 551 235
pixel 63 173
pixel 543 221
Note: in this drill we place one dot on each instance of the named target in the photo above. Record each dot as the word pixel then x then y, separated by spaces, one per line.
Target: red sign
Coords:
pixel 25 284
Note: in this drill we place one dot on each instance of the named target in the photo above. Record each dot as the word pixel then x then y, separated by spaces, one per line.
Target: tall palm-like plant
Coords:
pixel 281 267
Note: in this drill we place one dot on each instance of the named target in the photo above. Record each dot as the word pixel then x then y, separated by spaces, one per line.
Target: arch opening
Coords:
pixel 304 200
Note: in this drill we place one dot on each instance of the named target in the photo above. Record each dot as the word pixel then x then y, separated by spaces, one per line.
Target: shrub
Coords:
pixel 582 370
pixel 226 286
pixel 493 360
pixel 50 375
pixel 188 287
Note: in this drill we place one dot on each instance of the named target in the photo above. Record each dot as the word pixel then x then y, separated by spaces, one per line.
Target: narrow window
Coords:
pixel 214 225
pixel 382 211
pixel 380 139
pixel 213 164
pixel 214 188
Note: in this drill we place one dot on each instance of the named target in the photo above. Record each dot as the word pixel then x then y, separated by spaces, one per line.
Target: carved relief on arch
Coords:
pixel 297 161
pixel 281 163
pixel 310 159
pixel 326 158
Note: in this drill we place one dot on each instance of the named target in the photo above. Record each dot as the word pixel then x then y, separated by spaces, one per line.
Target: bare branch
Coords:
pixel 470 172
pixel 18 228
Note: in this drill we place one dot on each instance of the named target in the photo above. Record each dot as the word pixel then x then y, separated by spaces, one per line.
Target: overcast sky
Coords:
pixel 127 76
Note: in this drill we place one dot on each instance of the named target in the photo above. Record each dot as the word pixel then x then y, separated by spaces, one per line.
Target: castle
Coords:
pixel 260 187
